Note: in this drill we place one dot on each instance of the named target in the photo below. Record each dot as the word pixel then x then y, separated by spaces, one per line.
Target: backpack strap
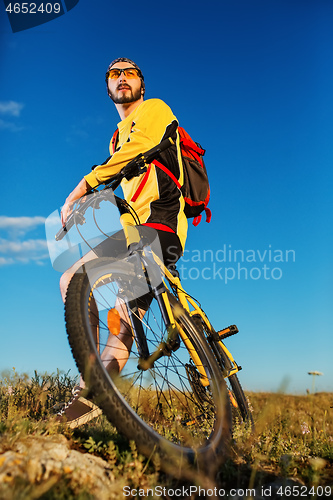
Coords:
pixel 114 140
pixel 168 172
pixel 145 178
pixel 189 147
pixel 208 214
pixel 141 185
pixel 188 144
pixel 197 219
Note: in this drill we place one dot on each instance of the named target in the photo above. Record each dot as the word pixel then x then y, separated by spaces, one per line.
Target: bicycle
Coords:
pixel 178 391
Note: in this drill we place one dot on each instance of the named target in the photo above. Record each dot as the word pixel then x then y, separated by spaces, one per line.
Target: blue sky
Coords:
pixel 252 82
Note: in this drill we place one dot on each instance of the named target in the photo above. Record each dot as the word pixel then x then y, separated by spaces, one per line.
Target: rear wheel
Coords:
pixel 241 411
pixel 179 407
pixel 240 406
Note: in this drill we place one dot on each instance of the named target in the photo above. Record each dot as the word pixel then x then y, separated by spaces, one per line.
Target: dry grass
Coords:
pixel 293 436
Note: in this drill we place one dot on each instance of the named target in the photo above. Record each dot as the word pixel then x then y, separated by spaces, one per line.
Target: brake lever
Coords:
pixel 77 218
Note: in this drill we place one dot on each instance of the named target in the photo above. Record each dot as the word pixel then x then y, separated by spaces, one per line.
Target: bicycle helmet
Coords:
pixel 124 59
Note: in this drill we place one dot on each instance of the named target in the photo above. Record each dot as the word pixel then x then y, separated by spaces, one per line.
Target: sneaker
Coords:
pixel 78 410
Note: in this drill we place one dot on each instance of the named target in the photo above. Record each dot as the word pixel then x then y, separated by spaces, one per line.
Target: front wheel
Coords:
pixel 179 407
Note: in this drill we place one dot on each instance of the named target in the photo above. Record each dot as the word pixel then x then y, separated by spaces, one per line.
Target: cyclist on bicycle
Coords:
pixel 153 195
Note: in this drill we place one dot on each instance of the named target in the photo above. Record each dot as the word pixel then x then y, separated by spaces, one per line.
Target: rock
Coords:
pixel 37 463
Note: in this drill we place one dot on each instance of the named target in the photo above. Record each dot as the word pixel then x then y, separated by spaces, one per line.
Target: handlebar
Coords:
pixel 75 217
pixel 135 167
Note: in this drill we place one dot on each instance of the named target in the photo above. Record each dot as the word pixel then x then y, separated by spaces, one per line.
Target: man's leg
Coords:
pixel 118 347
pixel 116 352
pixel 80 410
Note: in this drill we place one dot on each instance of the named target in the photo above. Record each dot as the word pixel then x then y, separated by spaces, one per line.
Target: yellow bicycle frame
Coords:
pixel 186 301
pixel 133 236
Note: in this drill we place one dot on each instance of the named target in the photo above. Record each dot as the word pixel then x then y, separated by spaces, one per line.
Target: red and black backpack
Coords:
pixel 195 188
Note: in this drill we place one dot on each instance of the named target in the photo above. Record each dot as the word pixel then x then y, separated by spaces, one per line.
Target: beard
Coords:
pixel 123 99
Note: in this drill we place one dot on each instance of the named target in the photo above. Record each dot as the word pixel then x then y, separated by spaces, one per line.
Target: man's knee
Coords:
pixel 67 276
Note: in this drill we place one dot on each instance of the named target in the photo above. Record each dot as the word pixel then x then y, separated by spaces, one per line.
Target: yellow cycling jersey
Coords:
pixel 154 196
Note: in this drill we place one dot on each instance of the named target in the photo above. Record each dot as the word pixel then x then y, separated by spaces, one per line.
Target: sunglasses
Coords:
pixel 128 72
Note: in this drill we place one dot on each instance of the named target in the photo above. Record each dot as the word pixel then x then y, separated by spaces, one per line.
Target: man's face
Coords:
pixel 124 90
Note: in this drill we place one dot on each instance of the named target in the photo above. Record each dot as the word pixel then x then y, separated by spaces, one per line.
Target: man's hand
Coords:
pixel 65 212
pixel 81 189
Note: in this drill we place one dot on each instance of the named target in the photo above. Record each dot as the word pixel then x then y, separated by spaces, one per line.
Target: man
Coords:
pixel 153 195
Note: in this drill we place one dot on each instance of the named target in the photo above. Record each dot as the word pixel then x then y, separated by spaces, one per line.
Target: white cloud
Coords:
pixel 6 261
pixel 22 247
pixel 14 248
pixel 20 223
pixel 12 252
pixel 9 126
pixel 11 108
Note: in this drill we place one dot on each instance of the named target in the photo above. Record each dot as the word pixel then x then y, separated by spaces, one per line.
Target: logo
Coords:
pixel 26 15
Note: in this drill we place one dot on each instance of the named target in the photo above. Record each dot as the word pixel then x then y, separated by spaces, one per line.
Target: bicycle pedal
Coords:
pixel 227 332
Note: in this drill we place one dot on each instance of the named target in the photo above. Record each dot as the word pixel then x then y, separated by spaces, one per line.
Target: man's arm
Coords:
pixel 147 131
pixel 81 189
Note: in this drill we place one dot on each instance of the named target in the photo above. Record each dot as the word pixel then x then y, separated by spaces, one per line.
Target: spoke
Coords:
pixel 176 391
pixel 139 375
pixel 160 392
pixel 137 404
pixel 163 396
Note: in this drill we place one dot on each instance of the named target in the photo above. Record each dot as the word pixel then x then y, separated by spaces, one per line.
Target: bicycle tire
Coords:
pixel 171 421
pixel 241 409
